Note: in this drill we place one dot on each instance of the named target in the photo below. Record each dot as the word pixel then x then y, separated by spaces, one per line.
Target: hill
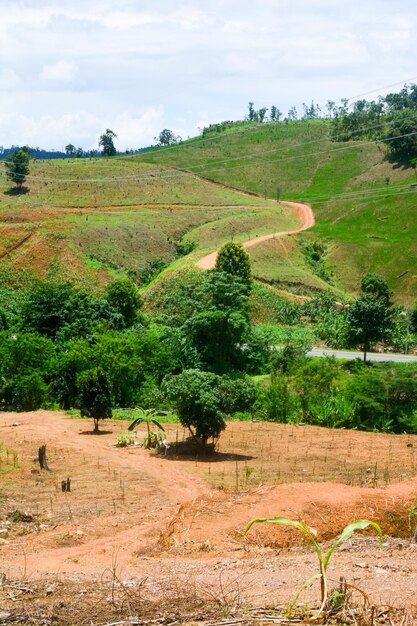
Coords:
pixel 364 205
pixel 86 219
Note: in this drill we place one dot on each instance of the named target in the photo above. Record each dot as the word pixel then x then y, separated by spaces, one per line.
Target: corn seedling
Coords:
pixel 323 557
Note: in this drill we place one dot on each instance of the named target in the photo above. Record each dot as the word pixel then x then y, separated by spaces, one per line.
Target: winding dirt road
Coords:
pixel 305 215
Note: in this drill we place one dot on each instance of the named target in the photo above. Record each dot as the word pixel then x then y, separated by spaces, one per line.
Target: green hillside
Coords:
pixel 88 219
pixel 364 205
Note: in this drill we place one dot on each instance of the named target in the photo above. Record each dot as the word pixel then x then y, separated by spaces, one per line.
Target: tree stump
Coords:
pixel 66 485
pixel 42 458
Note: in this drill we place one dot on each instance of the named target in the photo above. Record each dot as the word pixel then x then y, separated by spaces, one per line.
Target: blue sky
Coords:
pixel 69 69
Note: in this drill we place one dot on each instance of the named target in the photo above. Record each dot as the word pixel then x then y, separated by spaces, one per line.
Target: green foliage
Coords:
pixel 385 398
pixel 17 166
pixel 148 417
pixel 124 298
pixel 152 268
pixel 315 253
pixel 266 305
pixel 198 403
pixel 167 138
pixel 377 286
pixel 290 353
pixel 203 400
pixel 217 337
pixel 106 142
pixel 60 311
pixel 43 311
pixel 369 321
pixel 277 403
pixel 233 259
pixel 401 137
pixel 323 557
pixel 95 396
pixel 25 392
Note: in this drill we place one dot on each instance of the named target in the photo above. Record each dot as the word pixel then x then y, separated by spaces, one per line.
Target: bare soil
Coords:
pixel 177 523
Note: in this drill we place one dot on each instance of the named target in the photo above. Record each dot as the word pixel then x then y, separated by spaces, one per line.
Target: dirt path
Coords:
pixel 164 518
pixel 305 215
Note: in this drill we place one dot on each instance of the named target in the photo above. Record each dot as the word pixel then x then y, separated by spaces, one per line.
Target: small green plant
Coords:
pixel 152 440
pixel 323 557
pixel 125 439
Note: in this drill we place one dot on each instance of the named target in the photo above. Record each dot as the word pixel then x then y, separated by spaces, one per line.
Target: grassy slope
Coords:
pixel 374 231
pixel 88 230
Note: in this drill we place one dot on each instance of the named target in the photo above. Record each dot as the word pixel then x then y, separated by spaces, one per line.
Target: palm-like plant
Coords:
pixel 147 416
pixel 323 557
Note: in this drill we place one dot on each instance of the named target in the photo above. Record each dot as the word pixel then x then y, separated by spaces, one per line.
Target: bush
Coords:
pixel 195 395
pixel 27 392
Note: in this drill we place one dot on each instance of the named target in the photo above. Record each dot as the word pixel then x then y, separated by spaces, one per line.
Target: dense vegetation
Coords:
pixel 194 349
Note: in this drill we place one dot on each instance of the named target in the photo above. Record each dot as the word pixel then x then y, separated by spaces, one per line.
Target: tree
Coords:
pixel 124 298
pixel 218 336
pixel 377 286
pixel 106 141
pixel 167 138
pixel 95 396
pixel 233 259
pixel 275 114
pixel 17 166
pixel 400 137
pixel 251 112
pixel 43 309
pixel 197 402
pixel 70 149
pixel 262 113
pixel 369 321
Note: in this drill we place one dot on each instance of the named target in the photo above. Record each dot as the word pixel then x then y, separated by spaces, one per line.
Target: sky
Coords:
pixel 70 69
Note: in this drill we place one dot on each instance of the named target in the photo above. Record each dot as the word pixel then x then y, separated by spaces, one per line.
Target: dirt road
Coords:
pixel 158 517
pixel 305 215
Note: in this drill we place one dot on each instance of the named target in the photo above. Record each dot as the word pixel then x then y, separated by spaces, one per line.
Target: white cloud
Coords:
pixel 113 63
pixel 133 132
pixel 81 128
pixel 8 79
pixel 61 72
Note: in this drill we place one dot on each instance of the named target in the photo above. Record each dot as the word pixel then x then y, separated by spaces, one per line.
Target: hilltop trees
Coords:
pixel 391 120
pixel 167 138
pixel 71 150
pixel 17 166
pixel 106 141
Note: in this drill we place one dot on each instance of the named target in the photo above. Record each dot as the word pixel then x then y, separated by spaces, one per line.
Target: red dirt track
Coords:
pixel 306 217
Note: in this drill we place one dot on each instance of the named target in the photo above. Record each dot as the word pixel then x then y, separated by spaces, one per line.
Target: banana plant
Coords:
pixel 323 557
pixel 147 416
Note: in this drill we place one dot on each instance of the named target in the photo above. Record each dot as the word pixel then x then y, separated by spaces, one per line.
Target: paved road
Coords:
pixel 371 356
